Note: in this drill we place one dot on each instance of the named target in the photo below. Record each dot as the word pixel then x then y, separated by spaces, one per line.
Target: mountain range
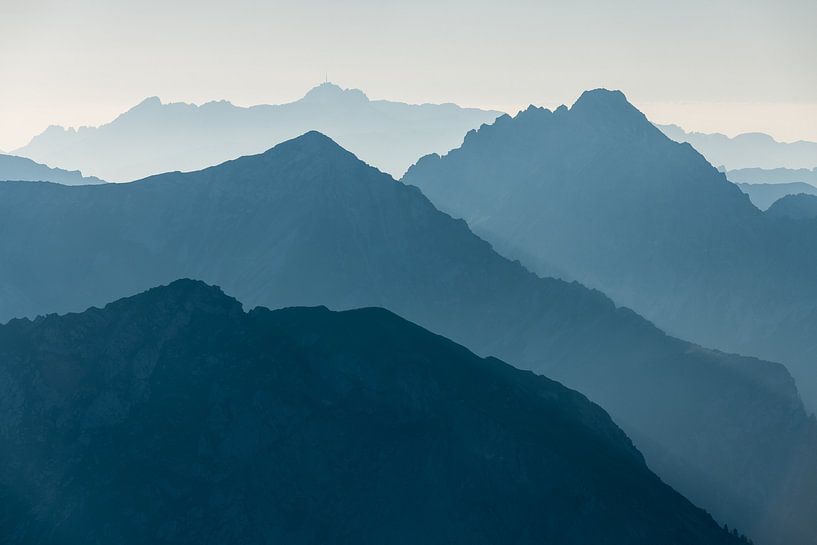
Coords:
pixel 598 194
pixel 153 137
pixel 191 421
pixel 748 150
pixel 773 175
pixel 763 195
pixel 307 223
pixel 764 186
pixel 20 168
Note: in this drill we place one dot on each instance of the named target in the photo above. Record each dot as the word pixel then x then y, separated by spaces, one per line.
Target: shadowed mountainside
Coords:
pixel 191 421
pixel 797 207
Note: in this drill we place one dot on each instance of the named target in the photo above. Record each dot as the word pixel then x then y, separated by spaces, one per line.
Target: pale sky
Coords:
pixel 730 66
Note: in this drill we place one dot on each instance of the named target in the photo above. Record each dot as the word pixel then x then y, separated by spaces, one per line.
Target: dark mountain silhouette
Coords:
pixel 749 150
pixel 764 195
pixel 20 168
pixel 153 137
pixel 306 223
pixel 797 207
pixel 190 421
pixel 597 193
pixel 773 175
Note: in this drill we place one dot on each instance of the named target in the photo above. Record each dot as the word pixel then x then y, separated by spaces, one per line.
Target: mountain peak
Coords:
pixel 147 108
pixel 313 141
pixel 533 113
pixel 330 92
pixel 180 295
pixel 149 102
pixel 309 143
pixel 601 96
pixel 189 287
pixel 315 138
pixel 608 108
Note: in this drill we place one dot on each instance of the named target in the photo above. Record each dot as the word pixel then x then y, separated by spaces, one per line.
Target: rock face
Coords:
pixel 797 207
pixel 597 194
pixel 306 223
pixel 190 421
pixel 22 169
pixel 153 137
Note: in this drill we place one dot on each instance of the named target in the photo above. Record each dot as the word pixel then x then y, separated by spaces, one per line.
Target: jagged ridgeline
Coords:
pixel 153 137
pixel 598 194
pixel 23 169
pixel 307 223
pixel 175 417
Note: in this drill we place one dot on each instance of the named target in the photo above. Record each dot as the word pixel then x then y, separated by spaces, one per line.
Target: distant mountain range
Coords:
pixel 191 421
pixel 798 207
pixel 597 193
pixel 153 137
pixel 749 150
pixel 23 169
pixel 773 175
pixel 764 195
pixel 307 223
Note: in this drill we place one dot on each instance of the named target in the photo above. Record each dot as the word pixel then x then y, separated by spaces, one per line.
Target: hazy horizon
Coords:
pixel 705 68
pixel 284 272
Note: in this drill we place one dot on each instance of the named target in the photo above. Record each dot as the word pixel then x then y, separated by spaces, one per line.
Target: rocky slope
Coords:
pixel 175 417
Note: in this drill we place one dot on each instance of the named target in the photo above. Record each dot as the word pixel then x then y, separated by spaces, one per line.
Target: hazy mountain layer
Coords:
pixel 190 421
pixel 154 137
pixel 596 191
pixel 749 150
pixel 797 207
pixel 764 195
pixel 306 223
pixel 20 168
pixel 773 175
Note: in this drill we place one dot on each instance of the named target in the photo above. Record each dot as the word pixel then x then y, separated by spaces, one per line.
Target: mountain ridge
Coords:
pixel 16 168
pixel 308 224
pixel 304 425
pixel 764 195
pixel 612 206
pixel 747 150
pixel 799 206
pixel 773 176
pixel 153 137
